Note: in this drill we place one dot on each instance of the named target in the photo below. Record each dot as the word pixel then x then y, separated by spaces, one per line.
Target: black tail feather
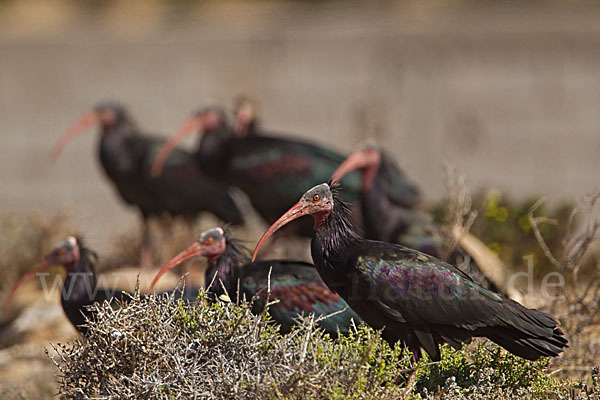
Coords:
pixel 524 345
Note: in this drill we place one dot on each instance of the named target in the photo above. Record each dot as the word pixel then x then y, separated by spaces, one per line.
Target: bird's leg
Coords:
pixel 146 248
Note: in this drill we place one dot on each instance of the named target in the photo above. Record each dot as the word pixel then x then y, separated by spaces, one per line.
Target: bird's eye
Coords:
pixel 60 251
pixel 209 241
pixel 316 197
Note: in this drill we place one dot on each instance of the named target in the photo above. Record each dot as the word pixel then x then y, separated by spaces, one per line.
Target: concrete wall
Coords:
pixel 511 96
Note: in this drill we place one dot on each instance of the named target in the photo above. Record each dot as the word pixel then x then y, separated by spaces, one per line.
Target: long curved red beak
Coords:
pixel 298 210
pixel 194 250
pixel 354 161
pixel 84 122
pixel 189 126
pixel 45 264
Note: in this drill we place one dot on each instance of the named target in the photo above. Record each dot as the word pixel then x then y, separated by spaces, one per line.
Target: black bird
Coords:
pixel 387 222
pixel 415 298
pixel 295 284
pixel 79 288
pixel 271 169
pixel 246 121
pixel 126 155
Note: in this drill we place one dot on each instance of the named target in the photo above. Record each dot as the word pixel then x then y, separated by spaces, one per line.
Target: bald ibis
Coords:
pixel 296 284
pixel 246 121
pixel 272 170
pixel 126 155
pixel 79 288
pixel 415 298
pixel 387 222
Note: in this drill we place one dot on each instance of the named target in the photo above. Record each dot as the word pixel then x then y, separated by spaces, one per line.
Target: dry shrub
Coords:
pixel 161 348
pixel 576 303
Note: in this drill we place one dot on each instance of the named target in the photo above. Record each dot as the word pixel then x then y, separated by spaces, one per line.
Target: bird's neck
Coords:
pixel 320 219
pixel 369 176
pixel 333 237
pixel 212 149
pixel 117 154
pixel 123 126
pixel 374 207
pixel 252 128
pixel 80 282
pixel 222 273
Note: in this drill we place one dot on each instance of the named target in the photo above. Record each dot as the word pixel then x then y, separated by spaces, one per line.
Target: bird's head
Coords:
pixel 107 114
pixel 317 202
pixel 207 120
pixel 211 244
pixel 245 109
pixel 366 156
pixel 66 253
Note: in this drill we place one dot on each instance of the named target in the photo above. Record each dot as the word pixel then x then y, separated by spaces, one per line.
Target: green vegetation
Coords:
pixel 503 225
pixel 161 348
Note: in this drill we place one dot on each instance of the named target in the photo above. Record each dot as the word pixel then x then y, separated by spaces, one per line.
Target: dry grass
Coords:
pixel 459 216
pixel 160 348
pixel 577 302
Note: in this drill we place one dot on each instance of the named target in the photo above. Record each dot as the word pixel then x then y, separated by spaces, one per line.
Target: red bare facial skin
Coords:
pixel 316 201
pixel 244 116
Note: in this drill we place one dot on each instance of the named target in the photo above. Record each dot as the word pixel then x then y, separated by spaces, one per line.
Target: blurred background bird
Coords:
pixel 79 288
pixel 272 169
pixel 126 155
pixel 388 221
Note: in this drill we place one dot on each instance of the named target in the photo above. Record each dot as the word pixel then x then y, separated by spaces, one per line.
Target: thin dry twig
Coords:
pixel 575 246
pixel 535 221
pixel 460 216
pixel 157 347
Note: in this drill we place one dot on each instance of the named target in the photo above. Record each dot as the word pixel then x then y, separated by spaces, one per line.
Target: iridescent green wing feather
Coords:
pixel 298 290
pixel 422 289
